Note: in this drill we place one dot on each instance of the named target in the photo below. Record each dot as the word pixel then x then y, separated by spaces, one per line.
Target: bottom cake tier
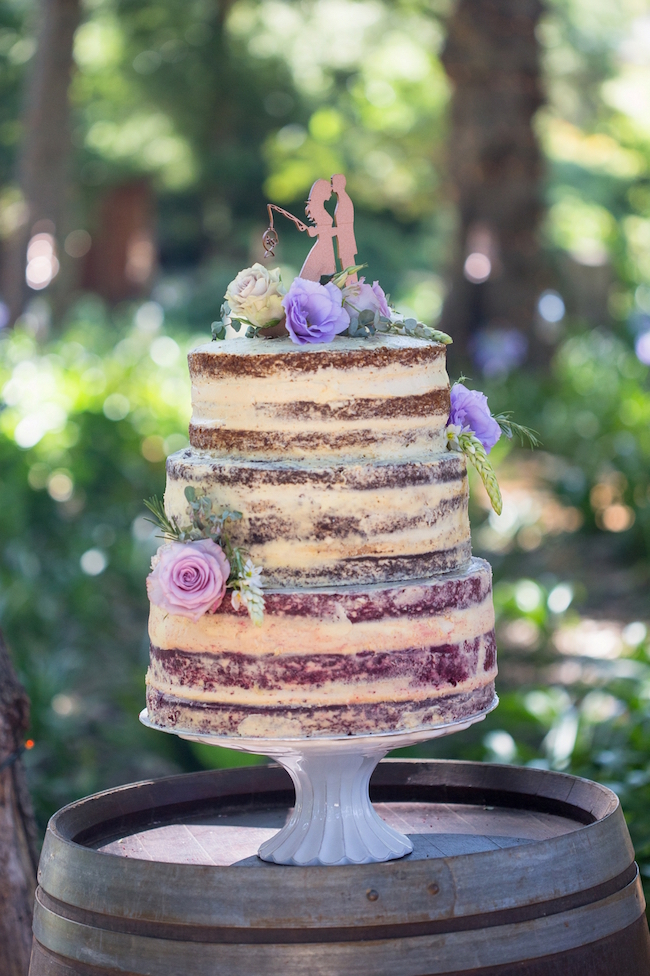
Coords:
pixel 332 661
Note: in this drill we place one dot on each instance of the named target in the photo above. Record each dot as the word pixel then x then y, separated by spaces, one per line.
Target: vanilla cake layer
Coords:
pixel 314 525
pixel 386 397
pixel 331 661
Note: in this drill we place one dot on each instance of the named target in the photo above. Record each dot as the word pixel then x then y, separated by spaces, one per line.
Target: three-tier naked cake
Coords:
pixel 376 619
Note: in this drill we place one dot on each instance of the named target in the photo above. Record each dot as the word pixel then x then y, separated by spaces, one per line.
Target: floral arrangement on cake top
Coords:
pixel 473 431
pixel 322 303
pixel 313 311
pixel 191 572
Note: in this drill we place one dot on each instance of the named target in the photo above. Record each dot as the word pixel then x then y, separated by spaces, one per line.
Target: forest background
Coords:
pixel 184 119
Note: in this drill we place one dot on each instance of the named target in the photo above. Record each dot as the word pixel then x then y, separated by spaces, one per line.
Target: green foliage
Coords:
pixel 592 414
pixel 75 546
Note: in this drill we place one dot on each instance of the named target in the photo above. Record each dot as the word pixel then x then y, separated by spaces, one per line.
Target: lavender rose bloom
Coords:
pixel 314 311
pixel 360 296
pixel 189 578
pixel 470 411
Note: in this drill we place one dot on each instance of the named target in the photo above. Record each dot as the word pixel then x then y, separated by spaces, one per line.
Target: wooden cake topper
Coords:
pixel 325 228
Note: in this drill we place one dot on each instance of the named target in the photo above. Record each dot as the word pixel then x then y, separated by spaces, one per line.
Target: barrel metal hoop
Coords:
pixel 412 956
pixel 292 936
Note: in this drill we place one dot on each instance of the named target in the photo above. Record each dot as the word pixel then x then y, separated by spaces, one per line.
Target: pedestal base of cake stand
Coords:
pixel 333 821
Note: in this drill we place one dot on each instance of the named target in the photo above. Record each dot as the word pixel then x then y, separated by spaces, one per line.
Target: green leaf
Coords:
pixel 218 330
pixel 190 493
pixel 366 317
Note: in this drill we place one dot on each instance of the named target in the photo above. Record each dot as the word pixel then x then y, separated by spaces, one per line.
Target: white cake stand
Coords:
pixel 333 821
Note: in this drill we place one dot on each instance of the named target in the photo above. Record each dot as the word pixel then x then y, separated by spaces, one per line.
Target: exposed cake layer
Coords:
pixel 316 525
pixel 277 722
pixel 385 397
pixel 329 661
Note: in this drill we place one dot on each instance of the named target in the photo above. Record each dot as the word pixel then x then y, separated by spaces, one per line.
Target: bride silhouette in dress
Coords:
pixel 320 260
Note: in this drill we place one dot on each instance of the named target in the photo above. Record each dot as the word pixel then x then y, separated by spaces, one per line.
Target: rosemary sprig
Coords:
pixel 161 520
pixel 510 429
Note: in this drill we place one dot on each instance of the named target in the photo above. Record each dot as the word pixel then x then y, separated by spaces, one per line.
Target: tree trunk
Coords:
pixel 18 848
pixel 495 170
pixel 45 151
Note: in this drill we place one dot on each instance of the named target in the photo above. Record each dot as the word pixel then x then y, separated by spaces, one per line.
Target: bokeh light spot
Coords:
pixel 528 596
pixel 551 307
pixel 93 562
pixel 116 406
pixel 60 486
pixel 560 598
pixel 477 267
pixel 164 351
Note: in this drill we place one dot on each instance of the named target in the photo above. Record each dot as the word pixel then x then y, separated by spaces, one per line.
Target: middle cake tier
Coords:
pixel 350 523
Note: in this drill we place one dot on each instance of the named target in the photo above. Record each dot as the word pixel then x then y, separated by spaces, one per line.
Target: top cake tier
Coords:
pixel 384 398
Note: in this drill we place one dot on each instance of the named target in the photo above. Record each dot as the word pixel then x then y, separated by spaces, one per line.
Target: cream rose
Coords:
pixel 256 295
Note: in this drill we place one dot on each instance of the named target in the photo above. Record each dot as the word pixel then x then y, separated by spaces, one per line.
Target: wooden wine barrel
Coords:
pixel 515 872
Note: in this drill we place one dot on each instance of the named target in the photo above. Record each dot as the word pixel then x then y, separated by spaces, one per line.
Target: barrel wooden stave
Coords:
pixel 513 907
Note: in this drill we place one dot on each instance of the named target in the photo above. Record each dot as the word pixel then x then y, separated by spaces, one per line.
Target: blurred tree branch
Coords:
pixel 18 848
pixel 45 151
pixel 495 165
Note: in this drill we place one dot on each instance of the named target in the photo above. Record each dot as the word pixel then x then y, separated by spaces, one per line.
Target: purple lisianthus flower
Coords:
pixel 360 296
pixel 315 312
pixel 470 412
pixel 189 578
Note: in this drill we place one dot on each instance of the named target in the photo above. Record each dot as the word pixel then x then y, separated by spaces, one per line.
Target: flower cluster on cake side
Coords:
pixel 197 563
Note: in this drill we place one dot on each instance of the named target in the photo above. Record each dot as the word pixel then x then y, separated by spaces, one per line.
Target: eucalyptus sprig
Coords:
pixel 397 325
pixel 467 443
pixel 369 323
pixel 220 326
pixel 511 429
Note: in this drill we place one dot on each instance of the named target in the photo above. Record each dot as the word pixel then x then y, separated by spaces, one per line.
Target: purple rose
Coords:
pixel 314 311
pixel 189 578
pixel 470 411
pixel 360 296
